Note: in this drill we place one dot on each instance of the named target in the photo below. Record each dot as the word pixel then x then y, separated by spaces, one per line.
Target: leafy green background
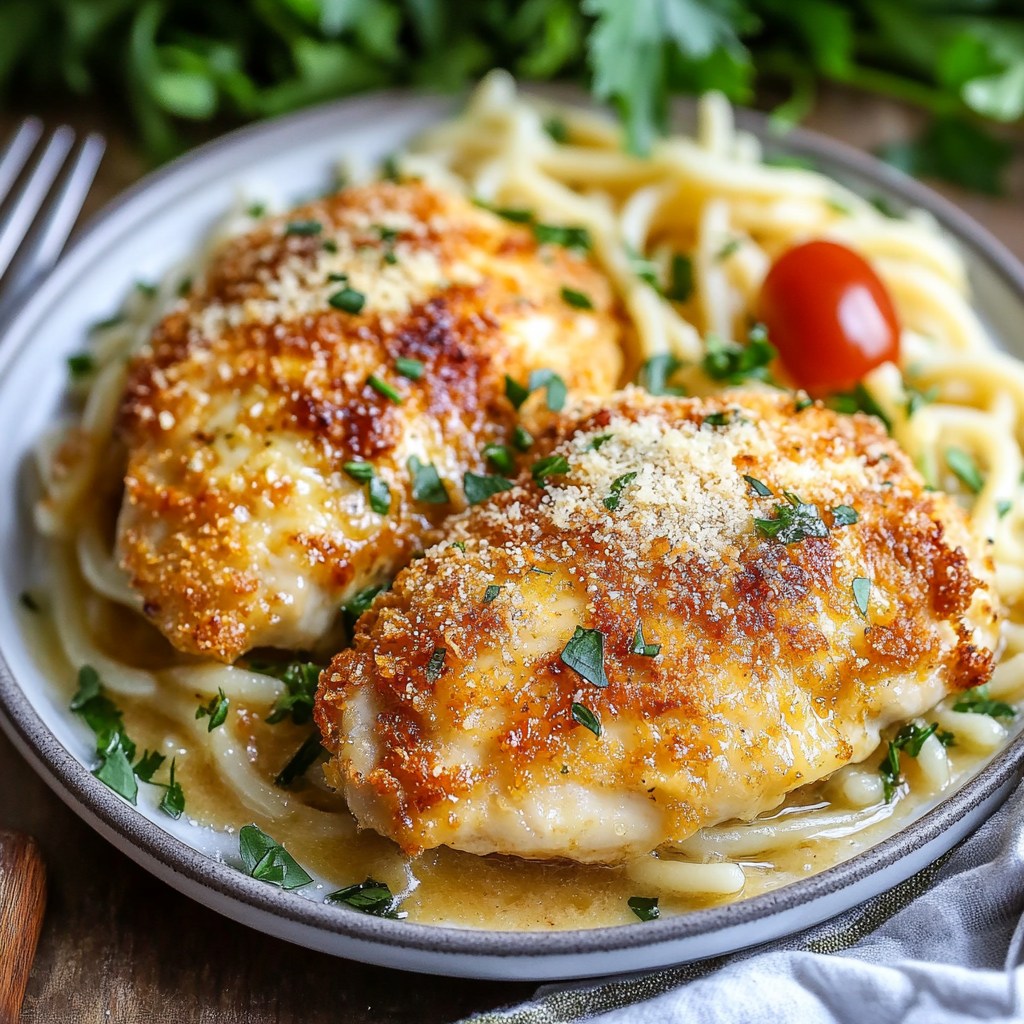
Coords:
pixel 181 69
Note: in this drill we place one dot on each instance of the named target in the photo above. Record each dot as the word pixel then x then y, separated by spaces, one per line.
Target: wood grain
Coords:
pixel 22 904
pixel 119 946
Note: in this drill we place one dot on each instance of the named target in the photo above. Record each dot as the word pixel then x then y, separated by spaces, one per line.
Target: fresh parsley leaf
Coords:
pixel 734 363
pixel 479 488
pixel 844 515
pixel 614 498
pixel 859 400
pixel 113 747
pixel 681 280
pixel 657 372
pixel 645 907
pixel 594 444
pixel 757 487
pixel 435 666
pixel 793 522
pixel 411 368
pixel 500 457
pixel 382 387
pixel 300 679
pixel 889 769
pixel 216 709
pixel 380 496
pixel 348 300
pixel 369 897
pixel 640 646
pixel 301 761
pixel 359 470
pixel 173 801
pixel 917 399
pixel 646 270
pixel 965 469
pixel 115 770
pixel 566 236
pixel 911 737
pixel 576 299
pixel 266 859
pixel 426 483
pixel 553 385
pixel 978 702
pixel 552 465
pixel 862 594
pixel 557 129
pixel 584 654
pixel 515 392
pixel 946 738
pixel 492 591
pixel 360 603
pixel 585 717
pixel 303 227
pixel 149 764
pixel 522 439
pixel 81 365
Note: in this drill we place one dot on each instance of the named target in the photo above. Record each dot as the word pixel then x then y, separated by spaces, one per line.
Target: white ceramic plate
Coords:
pixel 160 221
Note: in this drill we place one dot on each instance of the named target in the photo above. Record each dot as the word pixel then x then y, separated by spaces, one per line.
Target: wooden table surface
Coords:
pixel 117 945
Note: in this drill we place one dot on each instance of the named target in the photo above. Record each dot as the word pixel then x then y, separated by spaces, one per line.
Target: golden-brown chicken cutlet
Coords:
pixel 691 608
pixel 299 425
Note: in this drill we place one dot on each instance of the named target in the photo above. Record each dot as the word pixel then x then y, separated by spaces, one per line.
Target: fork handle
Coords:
pixel 22 902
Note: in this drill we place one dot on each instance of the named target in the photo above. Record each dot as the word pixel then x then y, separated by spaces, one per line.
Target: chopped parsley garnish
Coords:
pixel 802 402
pixel 553 385
pixel 551 465
pixel 645 907
pixel 656 373
pixel 978 702
pixel 640 646
pixel 380 496
pixel 348 300
pixel 173 801
pixel 946 738
pixel 594 444
pixel 256 210
pixel 646 270
pixel 411 368
pixel 522 439
pixel 300 680
pixel 370 897
pixel 557 129
pixel 436 664
pixel 459 545
pixel 965 469
pixel 584 654
pixel 793 522
pixel 81 365
pixel 681 278
pixel 389 168
pixel 515 392
pixel 382 387
pixel 330 245
pixel 862 594
pixel 266 859
pixel 614 498
pixel 576 299
pixel 567 236
pixel 509 213
pixel 585 717
pixel 499 456
pixel 360 603
pixel 149 764
pixel 359 470
pixel 910 738
pixel 303 227
pixel 301 761
pixel 734 363
pixel 492 591
pixel 844 515
pixel 859 400
pixel 718 419
pixel 426 484
pixel 384 233
pixel 480 488
pixel 757 487
pixel 1003 506
pixel 28 602
pixel 916 399
pixel 216 709
pixel 727 250
pixel 115 771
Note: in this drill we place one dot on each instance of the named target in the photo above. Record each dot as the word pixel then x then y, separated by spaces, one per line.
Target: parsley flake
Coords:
pixel 551 465
pixel 426 483
pixel 360 603
pixel 582 715
pixel 862 594
pixel 557 129
pixel 479 488
pixel 568 237
pixel 553 385
pixel 303 227
pixel 730 248
pixel 492 591
pixel 380 496
pixel 359 470
pixel 681 278
pixel 965 469
pixel 81 365
pixel 173 801
pixel 844 515
pixel 584 654
pixel 640 646
pixel 436 664
pixel 793 522
pixel 348 300
pixel 300 679
pixel 369 897
pixel 594 444
pixel 657 372
pixel 149 764
pixel 734 363
pixel 266 859
pixel 216 709
pixel 301 761
pixel 978 702
pixel 499 456
pixel 1003 506
pixel 614 498
pixel 645 907
pixel 522 439
pixel 515 392
pixel 411 368
pixel 757 487
pixel 576 299
pixel 382 387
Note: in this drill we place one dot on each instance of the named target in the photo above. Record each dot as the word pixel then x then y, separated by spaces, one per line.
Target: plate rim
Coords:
pixel 89 798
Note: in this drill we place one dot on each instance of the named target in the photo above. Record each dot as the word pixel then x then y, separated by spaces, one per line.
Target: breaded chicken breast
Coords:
pixel 300 424
pixel 689 609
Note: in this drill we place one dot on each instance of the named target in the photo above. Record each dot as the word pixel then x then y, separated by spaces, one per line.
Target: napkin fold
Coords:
pixel 945 947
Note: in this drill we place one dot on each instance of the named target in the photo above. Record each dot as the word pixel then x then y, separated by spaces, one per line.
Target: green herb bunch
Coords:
pixel 185 68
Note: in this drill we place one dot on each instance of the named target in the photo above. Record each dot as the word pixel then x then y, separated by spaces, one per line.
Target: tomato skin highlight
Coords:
pixel 828 315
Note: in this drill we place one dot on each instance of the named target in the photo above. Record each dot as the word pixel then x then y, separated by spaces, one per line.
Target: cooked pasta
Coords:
pixel 709 206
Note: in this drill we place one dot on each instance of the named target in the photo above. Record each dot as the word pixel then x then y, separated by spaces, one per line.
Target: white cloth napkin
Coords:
pixel 947 946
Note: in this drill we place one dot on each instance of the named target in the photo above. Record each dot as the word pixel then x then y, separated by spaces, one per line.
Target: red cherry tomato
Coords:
pixel 828 315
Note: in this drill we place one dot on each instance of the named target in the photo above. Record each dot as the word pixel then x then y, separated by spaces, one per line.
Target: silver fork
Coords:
pixel 43 185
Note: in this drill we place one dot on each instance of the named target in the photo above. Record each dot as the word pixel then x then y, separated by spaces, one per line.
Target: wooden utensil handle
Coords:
pixel 22 902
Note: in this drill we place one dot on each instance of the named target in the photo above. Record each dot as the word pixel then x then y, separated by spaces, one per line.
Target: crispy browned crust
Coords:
pixel 252 394
pixel 768 675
